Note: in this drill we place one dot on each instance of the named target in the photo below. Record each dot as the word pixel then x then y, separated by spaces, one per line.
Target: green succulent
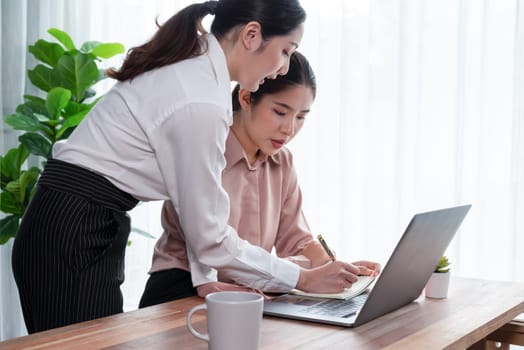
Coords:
pixel 443 265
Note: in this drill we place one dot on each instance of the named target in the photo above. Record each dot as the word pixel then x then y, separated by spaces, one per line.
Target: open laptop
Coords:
pixel 401 281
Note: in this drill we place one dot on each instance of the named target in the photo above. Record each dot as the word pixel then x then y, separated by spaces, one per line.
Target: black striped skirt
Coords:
pixel 68 255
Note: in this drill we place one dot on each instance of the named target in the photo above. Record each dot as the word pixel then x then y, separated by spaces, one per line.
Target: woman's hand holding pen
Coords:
pixel 332 277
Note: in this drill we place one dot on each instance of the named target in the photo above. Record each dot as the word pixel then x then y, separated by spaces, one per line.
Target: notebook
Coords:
pixel 357 288
pixel 402 280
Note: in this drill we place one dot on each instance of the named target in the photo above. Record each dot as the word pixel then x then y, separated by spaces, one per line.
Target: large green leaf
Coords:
pixel 57 100
pixel 88 46
pixel 47 52
pixel 34 99
pixel 36 144
pixel 27 182
pixel 9 203
pixel 43 118
pixel 71 121
pixel 8 227
pixel 77 74
pixel 33 105
pixel 13 187
pixel 66 133
pixel 28 123
pixel 75 107
pixel 63 37
pixel 11 164
pixel 43 77
pixel 108 50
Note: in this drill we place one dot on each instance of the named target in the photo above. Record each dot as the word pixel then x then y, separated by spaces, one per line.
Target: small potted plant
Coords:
pixel 438 283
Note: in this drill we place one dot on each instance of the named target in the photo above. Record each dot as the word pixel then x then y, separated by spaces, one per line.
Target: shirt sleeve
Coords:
pixel 189 147
pixel 293 231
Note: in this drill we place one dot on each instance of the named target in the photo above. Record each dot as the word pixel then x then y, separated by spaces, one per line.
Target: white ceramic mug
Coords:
pixel 233 320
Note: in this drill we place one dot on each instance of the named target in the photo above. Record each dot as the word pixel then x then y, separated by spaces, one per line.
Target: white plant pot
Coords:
pixel 437 286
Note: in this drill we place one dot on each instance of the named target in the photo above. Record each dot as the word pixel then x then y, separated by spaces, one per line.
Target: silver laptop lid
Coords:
pixel 401 281
pixel 417 253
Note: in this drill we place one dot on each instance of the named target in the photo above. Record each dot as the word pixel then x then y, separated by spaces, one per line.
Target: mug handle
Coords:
pixel 190 326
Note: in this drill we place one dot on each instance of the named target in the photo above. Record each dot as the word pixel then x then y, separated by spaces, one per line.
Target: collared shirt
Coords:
pixel 161 136
pixel 265 204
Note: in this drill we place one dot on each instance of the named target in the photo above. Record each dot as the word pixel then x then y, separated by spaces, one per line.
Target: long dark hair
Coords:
pixel 299 73
pixel 179 37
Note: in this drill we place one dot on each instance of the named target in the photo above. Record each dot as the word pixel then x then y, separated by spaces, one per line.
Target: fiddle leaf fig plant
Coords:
pixel 443 265
pixel 65 76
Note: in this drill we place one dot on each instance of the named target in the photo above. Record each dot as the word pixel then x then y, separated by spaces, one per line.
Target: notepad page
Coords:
pixel 348 293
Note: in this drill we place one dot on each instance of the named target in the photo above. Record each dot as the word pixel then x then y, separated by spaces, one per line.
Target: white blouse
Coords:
pixel 161 136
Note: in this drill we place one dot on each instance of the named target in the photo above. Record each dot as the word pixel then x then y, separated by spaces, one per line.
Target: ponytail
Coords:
pixel 180 37
pixel 175 40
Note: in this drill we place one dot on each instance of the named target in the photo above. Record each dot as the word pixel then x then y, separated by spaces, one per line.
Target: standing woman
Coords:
pixel 158 134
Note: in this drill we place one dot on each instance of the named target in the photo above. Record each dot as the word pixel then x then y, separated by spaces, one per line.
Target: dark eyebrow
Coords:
pixel 286 106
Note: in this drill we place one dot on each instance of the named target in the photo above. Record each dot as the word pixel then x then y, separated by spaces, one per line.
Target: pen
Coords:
pixel 326 248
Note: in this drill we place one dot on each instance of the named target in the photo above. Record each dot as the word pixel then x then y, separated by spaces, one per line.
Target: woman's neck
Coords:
pixel 250 151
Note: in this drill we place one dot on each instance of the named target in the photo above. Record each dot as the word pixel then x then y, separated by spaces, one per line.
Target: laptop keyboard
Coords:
pixel 336 307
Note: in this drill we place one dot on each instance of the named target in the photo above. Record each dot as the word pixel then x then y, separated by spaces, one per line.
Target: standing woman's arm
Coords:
pixel 190 148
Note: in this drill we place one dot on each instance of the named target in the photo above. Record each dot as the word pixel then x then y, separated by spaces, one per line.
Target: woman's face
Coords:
pixel 273 122
pixel 269 59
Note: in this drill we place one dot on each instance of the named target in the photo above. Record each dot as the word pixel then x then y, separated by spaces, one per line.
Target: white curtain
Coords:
pixel 420 106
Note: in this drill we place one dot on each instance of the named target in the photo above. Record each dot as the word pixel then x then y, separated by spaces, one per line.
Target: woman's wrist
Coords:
pixel 303 279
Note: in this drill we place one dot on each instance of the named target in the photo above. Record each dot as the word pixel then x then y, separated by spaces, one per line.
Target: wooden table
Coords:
pixel 473 310
pixel 510 333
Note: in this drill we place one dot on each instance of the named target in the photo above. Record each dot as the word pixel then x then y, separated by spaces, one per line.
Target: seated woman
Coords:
pixel 265 198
